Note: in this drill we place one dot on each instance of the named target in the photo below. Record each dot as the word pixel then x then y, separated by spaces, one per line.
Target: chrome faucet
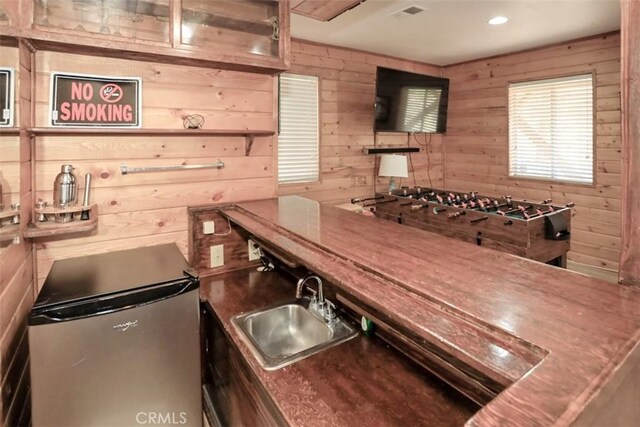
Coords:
pixel 324 309
pixel 303 280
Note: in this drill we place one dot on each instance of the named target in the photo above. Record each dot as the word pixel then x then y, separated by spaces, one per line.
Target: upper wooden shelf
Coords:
pixel 156 132
pixel 247 133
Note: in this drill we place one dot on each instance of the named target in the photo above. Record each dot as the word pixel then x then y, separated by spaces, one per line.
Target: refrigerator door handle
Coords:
pixel 109 304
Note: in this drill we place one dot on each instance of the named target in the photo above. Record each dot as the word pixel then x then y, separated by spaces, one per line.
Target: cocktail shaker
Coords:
pixel 65 192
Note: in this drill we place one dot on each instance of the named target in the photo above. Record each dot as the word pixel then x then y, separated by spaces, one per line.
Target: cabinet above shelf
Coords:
pixel 249 135
pixel 243 35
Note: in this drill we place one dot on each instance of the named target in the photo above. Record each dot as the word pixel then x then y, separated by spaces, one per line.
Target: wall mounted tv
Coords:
pixel 409 102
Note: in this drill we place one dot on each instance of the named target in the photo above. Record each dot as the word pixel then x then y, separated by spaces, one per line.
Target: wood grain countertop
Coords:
pixel 558 342
pixel 359 382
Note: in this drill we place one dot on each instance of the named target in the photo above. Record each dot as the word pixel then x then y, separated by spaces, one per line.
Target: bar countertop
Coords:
pixel 358 382
pixel 558 341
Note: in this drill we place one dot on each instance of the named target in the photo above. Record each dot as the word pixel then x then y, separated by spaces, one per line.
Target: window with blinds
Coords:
pixel 551 129
pixel 298 142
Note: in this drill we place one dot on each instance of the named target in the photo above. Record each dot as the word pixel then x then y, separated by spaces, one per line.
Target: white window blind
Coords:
pixel 551 129
pixel 298 143
pixel 419 107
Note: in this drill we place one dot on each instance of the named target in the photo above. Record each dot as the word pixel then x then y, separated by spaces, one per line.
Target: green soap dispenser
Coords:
pixel 368 327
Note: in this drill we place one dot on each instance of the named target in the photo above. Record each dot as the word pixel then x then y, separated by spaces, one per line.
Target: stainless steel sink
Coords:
pixel 281 335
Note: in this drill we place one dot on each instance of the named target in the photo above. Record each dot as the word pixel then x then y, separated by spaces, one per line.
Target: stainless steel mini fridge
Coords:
pixel 114 341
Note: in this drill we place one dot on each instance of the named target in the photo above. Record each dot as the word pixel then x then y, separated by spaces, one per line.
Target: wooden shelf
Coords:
pixel 51 228
pixel 9 131
pixel 8 213
pixel 9 232
pixel 151 132
pixel 247 133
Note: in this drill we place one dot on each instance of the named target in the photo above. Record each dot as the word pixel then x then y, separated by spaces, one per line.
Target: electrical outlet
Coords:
pixel 254 250
pixel 216 254
pixel 208 227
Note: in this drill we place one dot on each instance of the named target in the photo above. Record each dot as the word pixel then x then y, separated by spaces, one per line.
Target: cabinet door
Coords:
pixel 245 27
pixel 134 20
pixel 230 387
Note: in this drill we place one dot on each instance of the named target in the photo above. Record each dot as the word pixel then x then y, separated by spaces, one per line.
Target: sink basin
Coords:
pixel 281 335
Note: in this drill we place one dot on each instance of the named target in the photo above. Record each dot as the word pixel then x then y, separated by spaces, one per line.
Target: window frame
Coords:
pixel 320 123
pixel 594 130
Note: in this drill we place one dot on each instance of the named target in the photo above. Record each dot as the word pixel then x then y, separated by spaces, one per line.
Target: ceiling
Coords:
pixel 452 31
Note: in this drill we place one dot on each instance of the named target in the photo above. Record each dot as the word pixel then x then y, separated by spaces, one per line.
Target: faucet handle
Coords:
pixel 330 314
pixel 313 303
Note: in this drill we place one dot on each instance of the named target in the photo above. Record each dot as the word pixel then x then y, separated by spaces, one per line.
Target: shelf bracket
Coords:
pixel 248 142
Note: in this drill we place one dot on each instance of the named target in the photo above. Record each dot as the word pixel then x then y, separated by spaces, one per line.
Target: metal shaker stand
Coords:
pixel 45 213
pixel 10 216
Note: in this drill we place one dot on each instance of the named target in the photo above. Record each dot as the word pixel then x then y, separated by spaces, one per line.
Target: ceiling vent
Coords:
pixel 407 12
pixel 413 10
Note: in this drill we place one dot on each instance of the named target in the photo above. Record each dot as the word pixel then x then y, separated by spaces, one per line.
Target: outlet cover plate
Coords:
pixel 253 249
pixel 208 227
pixel 216 253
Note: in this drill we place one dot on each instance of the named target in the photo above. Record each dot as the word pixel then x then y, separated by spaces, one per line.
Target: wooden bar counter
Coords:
pixel 359 382
pixel 535 345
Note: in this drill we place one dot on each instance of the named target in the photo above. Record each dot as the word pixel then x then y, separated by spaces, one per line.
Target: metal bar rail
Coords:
pixel 125 170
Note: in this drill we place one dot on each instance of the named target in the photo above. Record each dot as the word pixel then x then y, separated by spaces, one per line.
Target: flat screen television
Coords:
pixel 409 102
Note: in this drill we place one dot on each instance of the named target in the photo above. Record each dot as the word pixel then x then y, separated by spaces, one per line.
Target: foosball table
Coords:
pixel 538 231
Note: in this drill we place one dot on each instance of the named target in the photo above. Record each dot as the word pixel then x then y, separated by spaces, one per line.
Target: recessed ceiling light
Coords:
pixel 498 20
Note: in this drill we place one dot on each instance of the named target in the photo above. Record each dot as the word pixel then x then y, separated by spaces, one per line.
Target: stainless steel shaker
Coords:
pixel 65 192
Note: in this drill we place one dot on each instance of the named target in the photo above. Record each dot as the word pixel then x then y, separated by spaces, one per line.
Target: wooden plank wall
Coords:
pixel 630 259
pixel 347 85
pixel 16 260
pixel 147 209
pixel 10 144
pixel 476 144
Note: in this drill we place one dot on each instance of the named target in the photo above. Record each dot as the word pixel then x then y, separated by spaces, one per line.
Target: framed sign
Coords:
pixel 7 85
pixel 79 100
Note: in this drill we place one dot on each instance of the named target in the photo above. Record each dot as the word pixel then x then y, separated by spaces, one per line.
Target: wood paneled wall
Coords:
pixel 148 209
pixel 10 144
pixel 476 144
pixel 347 85
pixel 630 259
pixel 16 260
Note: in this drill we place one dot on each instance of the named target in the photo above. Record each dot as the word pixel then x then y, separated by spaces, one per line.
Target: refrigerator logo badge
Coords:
pixel 124 326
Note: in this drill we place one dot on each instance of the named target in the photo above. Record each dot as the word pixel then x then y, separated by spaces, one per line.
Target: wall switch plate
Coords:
pixel 208 227
pixel 216 254
pixel 254 250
